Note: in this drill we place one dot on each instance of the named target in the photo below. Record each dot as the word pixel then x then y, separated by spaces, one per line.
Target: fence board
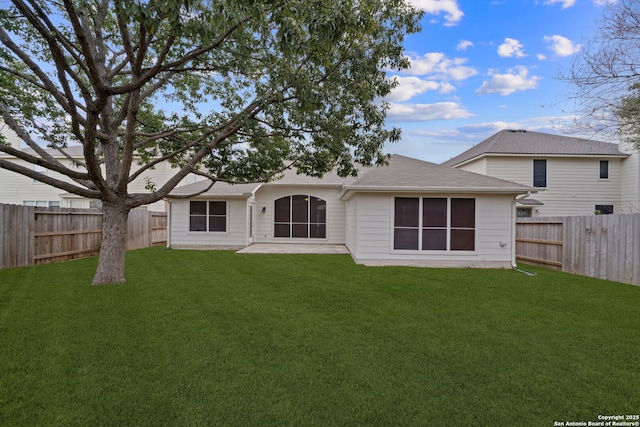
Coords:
pixel 600 246
pixel 30 235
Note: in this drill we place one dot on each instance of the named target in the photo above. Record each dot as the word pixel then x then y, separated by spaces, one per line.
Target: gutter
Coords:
pixel 343 195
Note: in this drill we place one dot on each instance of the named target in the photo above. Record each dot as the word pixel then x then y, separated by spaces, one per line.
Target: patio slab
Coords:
pixel 293 248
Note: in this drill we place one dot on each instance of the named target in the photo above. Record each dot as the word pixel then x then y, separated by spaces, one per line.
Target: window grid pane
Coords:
pixel 434 212
pixel 434 239
pixel 463 240
pixel 405 238
pixel 407 212
pixel 463 213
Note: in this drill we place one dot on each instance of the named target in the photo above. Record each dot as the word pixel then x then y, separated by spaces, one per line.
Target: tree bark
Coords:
pixel 114 244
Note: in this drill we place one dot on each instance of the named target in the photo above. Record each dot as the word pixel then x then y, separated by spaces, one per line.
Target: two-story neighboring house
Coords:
pixel 575 176
pixel 18 189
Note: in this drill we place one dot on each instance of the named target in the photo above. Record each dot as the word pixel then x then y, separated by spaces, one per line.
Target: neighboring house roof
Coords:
pixel 524 142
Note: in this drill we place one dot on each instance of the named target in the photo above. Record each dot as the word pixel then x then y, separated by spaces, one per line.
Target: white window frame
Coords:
pixel 207 216
pixel 421 227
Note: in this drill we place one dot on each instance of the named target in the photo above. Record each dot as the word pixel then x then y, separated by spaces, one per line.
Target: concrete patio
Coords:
pixel 292 248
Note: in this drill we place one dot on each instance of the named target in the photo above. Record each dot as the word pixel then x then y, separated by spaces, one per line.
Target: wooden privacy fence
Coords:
pixel 600 246
pixel 32 235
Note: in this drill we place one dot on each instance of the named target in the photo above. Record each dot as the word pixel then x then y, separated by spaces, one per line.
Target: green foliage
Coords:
pixel 238 87
pixel 218 338
pixel 628 114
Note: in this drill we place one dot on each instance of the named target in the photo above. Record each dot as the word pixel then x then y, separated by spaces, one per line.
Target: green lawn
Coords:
pixel 216 338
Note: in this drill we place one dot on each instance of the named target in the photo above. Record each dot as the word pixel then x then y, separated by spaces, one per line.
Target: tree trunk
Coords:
pixel 114 244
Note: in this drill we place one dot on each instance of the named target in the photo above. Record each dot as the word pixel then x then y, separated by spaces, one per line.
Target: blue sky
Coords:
pixel 480 66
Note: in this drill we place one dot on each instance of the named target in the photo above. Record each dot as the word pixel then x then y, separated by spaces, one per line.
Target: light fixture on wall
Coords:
pixel 264 209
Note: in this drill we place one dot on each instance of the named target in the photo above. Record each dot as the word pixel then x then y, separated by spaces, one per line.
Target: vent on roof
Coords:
pixel 517 130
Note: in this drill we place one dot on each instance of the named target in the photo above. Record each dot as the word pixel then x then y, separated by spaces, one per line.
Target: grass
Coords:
pixel 217 338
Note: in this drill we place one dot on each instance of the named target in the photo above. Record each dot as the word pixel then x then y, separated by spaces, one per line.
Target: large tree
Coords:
pixel 236 90
pixel 605 75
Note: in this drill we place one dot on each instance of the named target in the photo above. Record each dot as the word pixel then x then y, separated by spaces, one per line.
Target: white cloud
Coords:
pixel 541 56
pixel 517 79
pixel 562 46
pixel 427 112
pixel 408 87
pixel 489 127
pixel 464 45
pixel 564 3
pixel 452 12
pixel 511 48
pixel 437 65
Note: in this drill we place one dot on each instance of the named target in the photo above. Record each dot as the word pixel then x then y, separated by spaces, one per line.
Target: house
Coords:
pixel 574 176
pixel 408 213
pixel 18 189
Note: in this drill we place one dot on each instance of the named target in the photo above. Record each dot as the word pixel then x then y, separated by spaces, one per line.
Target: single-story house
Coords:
pixel 410 212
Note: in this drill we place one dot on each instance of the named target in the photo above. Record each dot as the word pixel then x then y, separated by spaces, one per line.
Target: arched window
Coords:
pixel 300 216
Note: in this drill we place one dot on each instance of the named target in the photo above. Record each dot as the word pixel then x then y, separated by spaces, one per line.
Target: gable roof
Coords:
pixel 290 177
pixel 522 142
pixel 405 174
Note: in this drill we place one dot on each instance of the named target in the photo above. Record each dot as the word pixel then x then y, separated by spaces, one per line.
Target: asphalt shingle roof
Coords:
pixel 402 173
pixel 218 189
pixel 535 143
pixel 407 172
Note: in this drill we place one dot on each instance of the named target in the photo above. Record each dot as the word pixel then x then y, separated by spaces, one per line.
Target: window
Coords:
pixel 524 212
pixel 604 169
pixel 604 209
pixel 300 216
pixel 42 203
pixel 208 216
pixel 39 169
pixel 434 224
pixel 539 173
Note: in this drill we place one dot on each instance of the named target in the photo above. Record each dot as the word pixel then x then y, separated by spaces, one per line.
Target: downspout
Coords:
pixel 514 203
pixel 513 231
pixel 169 224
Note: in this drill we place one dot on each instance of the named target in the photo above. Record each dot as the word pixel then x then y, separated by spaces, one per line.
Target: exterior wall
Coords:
pixel 236 235
pixel 351 235
pixel 476 166
pixel 573 184
pixel 268 193
pixel 10 136
pixel 630 188
pixel 494 225
pixel 16 188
